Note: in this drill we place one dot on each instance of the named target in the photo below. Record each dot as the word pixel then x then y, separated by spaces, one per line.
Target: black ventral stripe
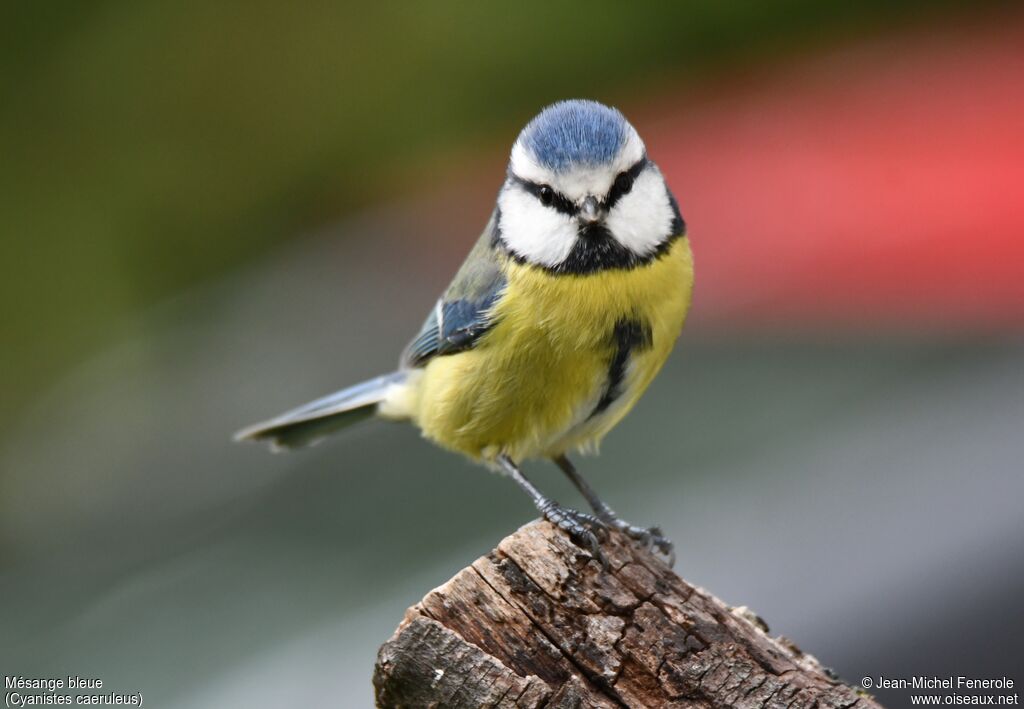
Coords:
pixel 630 335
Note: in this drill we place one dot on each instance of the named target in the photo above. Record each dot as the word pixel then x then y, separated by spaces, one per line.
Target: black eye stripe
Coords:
pixel 624 181
pixel 558 200
pixel 622 186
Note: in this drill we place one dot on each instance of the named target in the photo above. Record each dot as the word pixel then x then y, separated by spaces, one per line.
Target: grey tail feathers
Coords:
pixel 309 423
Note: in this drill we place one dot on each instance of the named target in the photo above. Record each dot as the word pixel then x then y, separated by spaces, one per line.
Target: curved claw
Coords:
pixel 595 549
pixel 649 537
pixel 584 529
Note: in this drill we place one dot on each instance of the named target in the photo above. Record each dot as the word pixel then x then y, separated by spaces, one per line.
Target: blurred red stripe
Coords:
pixel 882 185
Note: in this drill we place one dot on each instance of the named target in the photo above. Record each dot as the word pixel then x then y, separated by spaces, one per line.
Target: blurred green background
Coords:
pixel 211 212
pixel 151 146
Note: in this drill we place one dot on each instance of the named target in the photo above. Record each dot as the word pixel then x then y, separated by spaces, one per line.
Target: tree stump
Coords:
pixel 538 623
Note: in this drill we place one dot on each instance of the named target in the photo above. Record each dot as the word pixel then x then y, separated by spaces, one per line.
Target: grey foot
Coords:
pixel 584 529
pixel 649 537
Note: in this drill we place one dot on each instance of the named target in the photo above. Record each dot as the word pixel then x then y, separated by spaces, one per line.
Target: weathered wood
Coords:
pixel 538 623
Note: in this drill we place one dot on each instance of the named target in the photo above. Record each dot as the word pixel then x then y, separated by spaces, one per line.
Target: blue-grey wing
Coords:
pixel 465 311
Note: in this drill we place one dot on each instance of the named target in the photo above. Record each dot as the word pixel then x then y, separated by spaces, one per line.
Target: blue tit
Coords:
pixel 562 314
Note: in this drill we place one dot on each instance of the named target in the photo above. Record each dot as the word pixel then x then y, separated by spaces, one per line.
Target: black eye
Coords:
pixel 623 183
pixel 546 195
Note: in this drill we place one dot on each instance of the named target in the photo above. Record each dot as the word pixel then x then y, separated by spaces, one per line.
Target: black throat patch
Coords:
pixel 630 335
pixel 596 249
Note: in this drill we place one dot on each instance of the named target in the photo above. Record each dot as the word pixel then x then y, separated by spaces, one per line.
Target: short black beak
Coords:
pixel 591 211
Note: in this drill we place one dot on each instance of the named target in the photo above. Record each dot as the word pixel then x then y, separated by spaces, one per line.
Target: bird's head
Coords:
pixel 581 194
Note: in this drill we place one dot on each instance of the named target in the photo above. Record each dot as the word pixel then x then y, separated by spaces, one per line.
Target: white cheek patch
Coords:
pixel 642 219
pixel 539 234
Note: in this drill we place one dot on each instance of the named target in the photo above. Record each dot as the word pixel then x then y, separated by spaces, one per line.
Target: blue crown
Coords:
pixel 576 132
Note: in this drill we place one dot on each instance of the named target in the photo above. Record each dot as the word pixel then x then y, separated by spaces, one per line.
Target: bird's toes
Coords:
pixel 584 529
pixel 649 538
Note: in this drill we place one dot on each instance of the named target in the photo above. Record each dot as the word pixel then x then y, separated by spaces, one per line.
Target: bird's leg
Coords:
pixel 648 535
pixel 583 528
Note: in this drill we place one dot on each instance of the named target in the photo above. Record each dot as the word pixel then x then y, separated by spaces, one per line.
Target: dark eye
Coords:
pixel 546 195
pixel 623 183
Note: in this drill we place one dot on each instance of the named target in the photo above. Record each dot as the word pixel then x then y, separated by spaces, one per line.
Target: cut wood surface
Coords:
pixel 538 623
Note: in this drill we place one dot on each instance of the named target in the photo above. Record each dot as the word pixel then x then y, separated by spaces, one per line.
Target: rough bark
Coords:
pixel 538 623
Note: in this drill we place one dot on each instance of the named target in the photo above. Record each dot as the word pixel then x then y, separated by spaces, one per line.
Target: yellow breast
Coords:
pixel 537 383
